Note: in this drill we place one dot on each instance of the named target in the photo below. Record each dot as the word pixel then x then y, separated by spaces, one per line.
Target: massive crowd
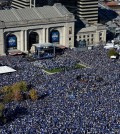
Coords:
pixel 88 105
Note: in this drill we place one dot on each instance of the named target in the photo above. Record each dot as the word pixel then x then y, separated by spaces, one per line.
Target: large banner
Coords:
pixel 12 41
pixel 55 36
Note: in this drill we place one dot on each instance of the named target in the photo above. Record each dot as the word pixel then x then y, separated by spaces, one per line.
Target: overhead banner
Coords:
pixel 12 41
pixel 55 36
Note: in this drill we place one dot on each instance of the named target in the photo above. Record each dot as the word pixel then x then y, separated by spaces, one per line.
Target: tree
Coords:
pixel 6 89
pixel 20 86
pixel 23 86
pixel 17 95
pixel 33 94
pixel 15 87
pixel 8 97
pixel 112 52
pixel 14 92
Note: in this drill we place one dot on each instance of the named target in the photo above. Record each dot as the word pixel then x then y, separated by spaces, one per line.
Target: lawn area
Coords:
pixel 57 70
pixel 79 66
pixel 54 70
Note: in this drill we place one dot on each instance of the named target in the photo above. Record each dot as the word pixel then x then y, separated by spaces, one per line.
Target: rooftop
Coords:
pixel 112 3
pixel 26 16
pixel 92 28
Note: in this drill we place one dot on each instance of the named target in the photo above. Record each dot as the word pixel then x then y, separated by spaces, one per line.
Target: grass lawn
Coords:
pixel 77 66
pixel 57 70
pixel 54 70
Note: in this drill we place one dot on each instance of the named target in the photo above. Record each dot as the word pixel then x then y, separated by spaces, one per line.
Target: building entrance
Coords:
pixel 33 39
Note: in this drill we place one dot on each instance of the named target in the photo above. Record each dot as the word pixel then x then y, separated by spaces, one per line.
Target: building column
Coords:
pixel 2 43
pixel 61 38
pixel 96 37
pixel 26 41
pixel 18 41
pixel 65 36
pixel 30 3
pixel 47 35
pixel 43 36
pixel 104 35
pixel 22 40
pixel 40 37
pixel 34 3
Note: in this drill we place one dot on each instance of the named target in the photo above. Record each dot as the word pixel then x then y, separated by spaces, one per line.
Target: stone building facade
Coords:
pixel 19 28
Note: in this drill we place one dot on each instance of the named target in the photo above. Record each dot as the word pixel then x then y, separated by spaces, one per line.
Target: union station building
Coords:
pixel 21 28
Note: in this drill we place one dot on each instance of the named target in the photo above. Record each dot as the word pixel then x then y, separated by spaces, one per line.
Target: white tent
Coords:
pixel 113 57
pixel 109 46
pixel 6 69
pixel 44 45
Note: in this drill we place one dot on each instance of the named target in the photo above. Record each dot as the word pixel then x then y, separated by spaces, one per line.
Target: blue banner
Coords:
pixel 12 41
pixel 55 36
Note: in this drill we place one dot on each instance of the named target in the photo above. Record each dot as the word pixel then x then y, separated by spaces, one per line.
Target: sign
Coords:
pixel 55 36
pixel 12 41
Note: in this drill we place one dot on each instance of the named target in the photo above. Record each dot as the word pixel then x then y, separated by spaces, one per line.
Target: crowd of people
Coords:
pixel 77 101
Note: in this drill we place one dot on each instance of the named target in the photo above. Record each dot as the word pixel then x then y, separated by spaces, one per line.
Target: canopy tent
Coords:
pixel 6 69
pixel 44 45
pixel 109 46
pixel 41 47
pixel 113 57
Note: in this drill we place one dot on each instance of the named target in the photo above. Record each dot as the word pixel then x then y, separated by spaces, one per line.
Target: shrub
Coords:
pixel 112 52
pixel 33 94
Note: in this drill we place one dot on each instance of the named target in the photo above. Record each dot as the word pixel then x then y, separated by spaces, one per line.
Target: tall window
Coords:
pixel 92 35
pixel 70 30
pixel 32 2
pixel 100 34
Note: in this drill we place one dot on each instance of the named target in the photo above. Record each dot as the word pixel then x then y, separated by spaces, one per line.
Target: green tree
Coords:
pixel 14 92
pixel 17 95
pixel 20 86
pixel 23 86
pixel 8 97
pixel 6 89
pixel 112 52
